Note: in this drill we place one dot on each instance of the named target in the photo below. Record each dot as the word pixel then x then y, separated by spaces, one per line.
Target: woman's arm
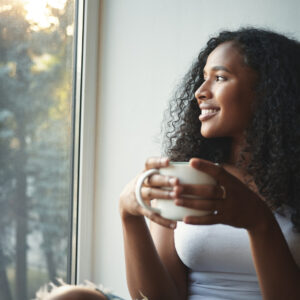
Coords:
pixel 156 274
pixel 277 272
pixel 164 241
pixel 152 266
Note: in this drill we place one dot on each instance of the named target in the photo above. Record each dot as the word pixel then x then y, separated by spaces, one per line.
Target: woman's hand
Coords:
pixel 231 201
pixel 151 189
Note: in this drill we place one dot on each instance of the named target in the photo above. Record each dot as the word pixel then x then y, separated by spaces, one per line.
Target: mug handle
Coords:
pixel 138 186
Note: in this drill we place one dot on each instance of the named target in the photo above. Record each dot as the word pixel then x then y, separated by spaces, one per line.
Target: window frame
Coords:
pixel 84 142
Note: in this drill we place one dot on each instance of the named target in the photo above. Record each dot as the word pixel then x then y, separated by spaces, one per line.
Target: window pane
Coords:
pixel 36 70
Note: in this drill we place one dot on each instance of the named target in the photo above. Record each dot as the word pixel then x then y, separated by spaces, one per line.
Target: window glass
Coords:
pixel 36 90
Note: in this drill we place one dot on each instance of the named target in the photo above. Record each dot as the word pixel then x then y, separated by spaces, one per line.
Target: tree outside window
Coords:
pixel 36 84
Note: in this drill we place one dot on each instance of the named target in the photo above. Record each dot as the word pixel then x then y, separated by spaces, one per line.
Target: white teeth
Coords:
pixel 208 111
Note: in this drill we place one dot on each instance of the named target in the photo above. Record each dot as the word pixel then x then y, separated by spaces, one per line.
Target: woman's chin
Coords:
pixel 208 134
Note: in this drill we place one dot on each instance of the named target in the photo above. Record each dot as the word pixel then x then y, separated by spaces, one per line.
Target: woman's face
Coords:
pixel 226 96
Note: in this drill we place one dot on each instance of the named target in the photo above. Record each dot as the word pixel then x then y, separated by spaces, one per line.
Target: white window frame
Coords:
pixel 86 77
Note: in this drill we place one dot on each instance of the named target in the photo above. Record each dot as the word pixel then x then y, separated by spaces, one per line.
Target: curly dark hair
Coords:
pixel 273 135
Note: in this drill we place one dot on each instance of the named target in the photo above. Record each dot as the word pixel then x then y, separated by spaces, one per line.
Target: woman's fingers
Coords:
pixel 158 180
pixel 200 204
pixel 206 197
pixel 161 180
pixel 210 168
pixel 204 191
pixel 156 162
pixel 149 193
pixel 155 217
pixel 204 220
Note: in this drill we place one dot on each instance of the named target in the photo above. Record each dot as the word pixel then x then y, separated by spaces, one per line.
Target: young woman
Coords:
pixel 238 107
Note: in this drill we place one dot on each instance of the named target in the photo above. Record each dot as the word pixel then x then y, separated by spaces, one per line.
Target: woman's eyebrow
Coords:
pixel 218 68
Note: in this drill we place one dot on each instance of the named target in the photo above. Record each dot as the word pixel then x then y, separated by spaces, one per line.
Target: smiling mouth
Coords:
pixel 208 114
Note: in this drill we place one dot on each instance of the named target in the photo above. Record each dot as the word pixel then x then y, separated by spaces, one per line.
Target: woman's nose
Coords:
pixel 203 93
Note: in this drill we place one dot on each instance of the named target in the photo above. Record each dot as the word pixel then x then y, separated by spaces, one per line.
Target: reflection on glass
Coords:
pixel 36 50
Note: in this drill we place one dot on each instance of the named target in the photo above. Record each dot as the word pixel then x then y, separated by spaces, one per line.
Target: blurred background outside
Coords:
pixel 36 90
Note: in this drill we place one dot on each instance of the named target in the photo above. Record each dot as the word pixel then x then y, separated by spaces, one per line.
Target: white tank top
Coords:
pixel 220 262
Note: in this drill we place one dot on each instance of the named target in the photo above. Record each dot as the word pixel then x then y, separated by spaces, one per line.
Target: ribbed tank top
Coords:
pixel 220 262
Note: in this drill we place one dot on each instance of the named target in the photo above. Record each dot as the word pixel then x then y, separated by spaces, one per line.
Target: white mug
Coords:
pixel 186 175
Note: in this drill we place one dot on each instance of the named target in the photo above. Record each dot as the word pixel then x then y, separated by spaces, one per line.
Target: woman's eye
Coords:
pixel 220 78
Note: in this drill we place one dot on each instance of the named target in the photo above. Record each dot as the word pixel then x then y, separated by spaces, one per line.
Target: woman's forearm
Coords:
pixel 145 272
pixel 278 274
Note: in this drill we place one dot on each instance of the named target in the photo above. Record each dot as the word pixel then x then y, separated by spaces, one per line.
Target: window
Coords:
pixel 37 59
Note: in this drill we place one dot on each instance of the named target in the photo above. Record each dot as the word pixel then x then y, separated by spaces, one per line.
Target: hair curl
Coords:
pixel 273 135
